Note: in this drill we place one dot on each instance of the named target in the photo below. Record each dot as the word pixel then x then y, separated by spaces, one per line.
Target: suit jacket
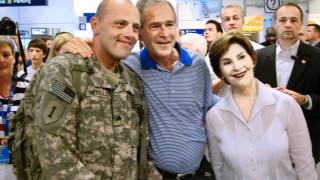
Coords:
pixel 317 45
pixel 304 78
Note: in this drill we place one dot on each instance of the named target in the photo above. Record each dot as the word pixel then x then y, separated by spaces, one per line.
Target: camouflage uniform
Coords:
pixel 93 136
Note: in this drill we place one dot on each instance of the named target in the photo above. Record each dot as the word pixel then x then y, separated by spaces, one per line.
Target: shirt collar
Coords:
pixel 148 63
pixel 314 43
pixel 293 48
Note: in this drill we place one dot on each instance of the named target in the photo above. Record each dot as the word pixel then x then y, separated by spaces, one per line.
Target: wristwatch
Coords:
pixel 306 102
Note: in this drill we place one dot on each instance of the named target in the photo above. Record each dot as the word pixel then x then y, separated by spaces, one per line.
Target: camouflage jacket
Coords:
pixel 101 134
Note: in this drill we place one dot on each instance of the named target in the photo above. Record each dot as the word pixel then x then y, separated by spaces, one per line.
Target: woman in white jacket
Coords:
pixel 255 132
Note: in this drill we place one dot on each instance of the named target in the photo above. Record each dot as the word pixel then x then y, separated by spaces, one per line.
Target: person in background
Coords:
pixel 37 51
pixel 232 19
pixel 313 35
pixel 302 35
pixel 212 32
pixel 266 126
pixel 48 41
pixel 59 40
pixel 293 67
pixel 271 36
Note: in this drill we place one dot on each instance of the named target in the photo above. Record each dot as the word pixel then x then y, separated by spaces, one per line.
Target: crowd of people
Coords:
pixel 211 107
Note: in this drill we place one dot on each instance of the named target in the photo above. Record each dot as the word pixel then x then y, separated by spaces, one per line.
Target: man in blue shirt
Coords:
pixel 178 90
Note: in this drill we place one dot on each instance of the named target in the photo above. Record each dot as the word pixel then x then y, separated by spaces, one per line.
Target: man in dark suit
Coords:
pixel 293 67
pixel 313 35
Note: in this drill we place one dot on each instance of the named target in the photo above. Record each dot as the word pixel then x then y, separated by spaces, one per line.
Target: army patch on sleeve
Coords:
pixel 62 91
pixel 52 112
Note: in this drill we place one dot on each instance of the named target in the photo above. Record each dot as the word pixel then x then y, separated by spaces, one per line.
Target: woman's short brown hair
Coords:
pixel 221 46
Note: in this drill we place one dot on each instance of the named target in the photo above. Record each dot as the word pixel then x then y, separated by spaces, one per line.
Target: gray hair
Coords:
pixel 237 6
pixel 7 40
pixel 143 4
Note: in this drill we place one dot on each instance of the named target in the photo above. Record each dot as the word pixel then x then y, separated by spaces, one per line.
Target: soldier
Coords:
pixel 90 116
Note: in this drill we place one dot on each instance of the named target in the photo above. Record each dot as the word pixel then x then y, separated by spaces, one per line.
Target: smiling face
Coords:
pixel 116 30
pixel 236 67
pixel 158 31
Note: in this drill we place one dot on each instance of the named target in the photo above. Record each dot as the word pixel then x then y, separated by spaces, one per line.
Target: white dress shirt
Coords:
pixel 284 63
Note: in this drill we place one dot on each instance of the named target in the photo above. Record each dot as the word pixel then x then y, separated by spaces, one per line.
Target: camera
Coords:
pixel 7 26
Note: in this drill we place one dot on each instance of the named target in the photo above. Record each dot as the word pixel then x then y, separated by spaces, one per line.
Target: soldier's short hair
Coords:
pixel 102 8
pixel 143 4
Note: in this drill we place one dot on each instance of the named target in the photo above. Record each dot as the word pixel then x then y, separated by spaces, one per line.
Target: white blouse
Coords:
pixel 265 148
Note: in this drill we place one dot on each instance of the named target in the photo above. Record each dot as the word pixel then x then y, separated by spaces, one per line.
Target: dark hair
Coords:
pixel 38 43
pixel 143 4
pixel 292 5
pixel 7 26
pixel 221 46
pixel 316 27
pixel 216 23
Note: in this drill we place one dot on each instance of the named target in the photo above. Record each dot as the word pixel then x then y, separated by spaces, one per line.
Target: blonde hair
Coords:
pixel 58 42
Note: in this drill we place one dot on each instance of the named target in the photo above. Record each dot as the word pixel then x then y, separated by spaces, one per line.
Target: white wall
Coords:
pixel 58 14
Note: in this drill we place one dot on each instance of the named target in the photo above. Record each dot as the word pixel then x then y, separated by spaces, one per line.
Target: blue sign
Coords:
pixel 5 3
pixel 197 31
pixel 89 16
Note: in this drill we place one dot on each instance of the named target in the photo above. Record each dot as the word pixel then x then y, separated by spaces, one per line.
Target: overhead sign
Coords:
pixel 270 6
pixel 4 3
pixel 89 16
pixel 197 31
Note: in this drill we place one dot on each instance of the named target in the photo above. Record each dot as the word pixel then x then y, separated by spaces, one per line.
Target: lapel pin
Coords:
pixel 303 61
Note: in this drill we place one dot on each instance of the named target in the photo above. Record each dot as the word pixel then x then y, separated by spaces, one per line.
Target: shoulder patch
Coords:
pixel 62 91
pixel 52 112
